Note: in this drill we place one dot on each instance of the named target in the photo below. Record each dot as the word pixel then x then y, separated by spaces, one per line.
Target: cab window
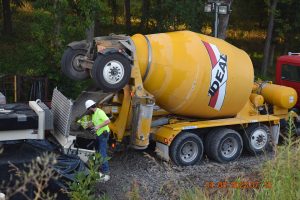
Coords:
pixel 290 73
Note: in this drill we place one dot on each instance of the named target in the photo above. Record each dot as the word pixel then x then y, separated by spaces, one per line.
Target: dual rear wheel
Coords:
pixel 71 66
pixel 186 149
pixel 110 72
pixel 222 145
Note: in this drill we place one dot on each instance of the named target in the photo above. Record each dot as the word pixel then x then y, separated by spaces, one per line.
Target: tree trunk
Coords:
pixel 127 15
pixel 7 22
pixel 159 20
pixel 265 63
pixel 271 57
pixel 114 9
pixel 145 14
pixel 223 22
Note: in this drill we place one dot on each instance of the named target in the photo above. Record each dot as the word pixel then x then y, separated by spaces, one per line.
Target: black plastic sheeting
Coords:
pixel 20 117
pixel 22 152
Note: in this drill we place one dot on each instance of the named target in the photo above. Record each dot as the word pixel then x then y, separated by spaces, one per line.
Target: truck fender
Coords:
pixel 108 51
pixel 83 44
pixel 165 135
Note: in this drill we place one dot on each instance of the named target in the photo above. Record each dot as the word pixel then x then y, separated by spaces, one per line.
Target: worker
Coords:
pixel 99 125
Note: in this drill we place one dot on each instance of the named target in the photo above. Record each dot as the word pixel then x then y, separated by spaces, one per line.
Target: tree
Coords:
pixel 7 23
pixel 272 4
pixel 157 15
pixel 145 14
pixel 287 26
pixel 7 15
pixel 248 15
pixel 177 15
pixel 114 7
pixel 223 22
pixel 127 15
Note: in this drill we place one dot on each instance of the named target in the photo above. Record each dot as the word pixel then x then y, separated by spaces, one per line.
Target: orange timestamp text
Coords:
pixel 239 185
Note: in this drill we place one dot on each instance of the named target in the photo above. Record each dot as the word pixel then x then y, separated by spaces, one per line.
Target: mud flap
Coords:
pixel 275 130
pixel 162 151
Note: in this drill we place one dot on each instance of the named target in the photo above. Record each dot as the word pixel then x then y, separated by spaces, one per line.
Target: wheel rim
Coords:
pixel 113 72
pixel 229 147
pixel 189 151
pixel 76 62
pixel 259 139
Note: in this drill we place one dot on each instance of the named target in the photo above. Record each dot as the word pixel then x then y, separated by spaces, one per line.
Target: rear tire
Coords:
pixel 224 145
pixel 111 72
pixel 256 138
pixel 186 149
pixel 70 64
pixel 207 142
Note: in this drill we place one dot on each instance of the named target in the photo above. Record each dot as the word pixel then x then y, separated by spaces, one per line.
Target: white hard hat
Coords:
pixel 89 103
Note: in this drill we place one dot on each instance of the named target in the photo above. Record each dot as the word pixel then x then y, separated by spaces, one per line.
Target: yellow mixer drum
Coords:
pixel 193 74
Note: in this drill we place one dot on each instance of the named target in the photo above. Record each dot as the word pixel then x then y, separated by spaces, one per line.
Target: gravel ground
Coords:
pixel 156 179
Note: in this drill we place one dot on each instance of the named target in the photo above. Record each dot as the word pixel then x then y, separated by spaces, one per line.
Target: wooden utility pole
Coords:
pixel 223 22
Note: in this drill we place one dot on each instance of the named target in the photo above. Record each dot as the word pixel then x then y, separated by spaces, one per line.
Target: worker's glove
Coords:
pixel 85 122
pixel 94 130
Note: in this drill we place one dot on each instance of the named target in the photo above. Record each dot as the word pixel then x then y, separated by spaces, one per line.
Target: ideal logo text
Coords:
pixel 219 75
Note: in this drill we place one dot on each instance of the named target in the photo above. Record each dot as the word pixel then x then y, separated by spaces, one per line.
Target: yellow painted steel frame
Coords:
pixel 167 133
pixel 119 125
pixel 133 94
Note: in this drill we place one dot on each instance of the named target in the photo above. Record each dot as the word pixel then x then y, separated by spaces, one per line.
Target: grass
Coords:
pixel 280 178
pixel 134 193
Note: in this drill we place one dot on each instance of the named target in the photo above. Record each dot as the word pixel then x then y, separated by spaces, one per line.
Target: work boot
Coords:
pixel 104 177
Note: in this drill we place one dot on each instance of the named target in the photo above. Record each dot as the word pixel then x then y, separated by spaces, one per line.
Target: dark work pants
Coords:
pixel 102 148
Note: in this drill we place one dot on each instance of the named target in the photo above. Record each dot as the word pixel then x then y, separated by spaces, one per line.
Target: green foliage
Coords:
pixel 177 15
pixel 248 15
pixel 283 171
pixel 35 175
pixel 83 188
pixel 42 29
pixel 287 26
pixel 193 193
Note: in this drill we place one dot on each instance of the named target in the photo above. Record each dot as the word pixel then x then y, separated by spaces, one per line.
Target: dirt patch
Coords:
pixel 135 173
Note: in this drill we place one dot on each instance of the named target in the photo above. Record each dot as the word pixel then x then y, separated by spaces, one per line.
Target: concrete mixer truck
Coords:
pixel 190 93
